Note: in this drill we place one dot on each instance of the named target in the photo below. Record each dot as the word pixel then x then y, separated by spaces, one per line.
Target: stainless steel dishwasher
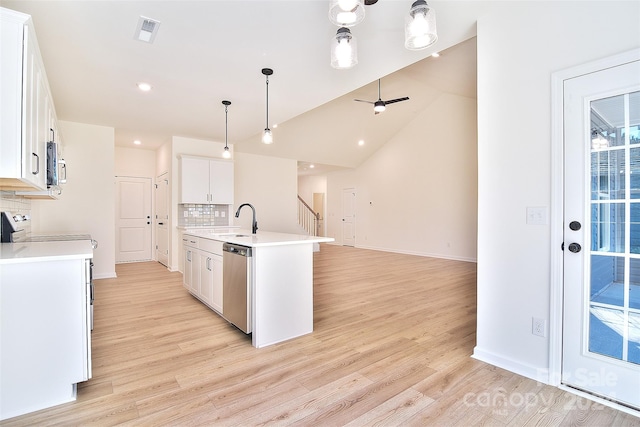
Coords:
pixel 236 282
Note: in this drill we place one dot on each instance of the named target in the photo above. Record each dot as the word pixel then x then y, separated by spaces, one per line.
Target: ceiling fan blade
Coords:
pixel 391 101
pixel 362 100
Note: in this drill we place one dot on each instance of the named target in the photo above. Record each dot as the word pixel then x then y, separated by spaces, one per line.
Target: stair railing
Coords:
pixel 307 218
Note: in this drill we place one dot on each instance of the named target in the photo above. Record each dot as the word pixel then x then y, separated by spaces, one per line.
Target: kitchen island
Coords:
pixel 280 280
pixel 45 337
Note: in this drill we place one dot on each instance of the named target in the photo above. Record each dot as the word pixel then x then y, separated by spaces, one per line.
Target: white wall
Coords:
pixel 270 185
pixel 417 194
pixel 135 162
pixel 520 45
pixel 87 201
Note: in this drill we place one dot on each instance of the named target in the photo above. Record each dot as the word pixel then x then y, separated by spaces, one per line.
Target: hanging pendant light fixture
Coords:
pixel 267 137
pixel 346 13
pixel 420 26
pixel 344 50
pixel 226 153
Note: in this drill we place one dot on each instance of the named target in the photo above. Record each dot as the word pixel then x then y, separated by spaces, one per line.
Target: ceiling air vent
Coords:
pixel 146 29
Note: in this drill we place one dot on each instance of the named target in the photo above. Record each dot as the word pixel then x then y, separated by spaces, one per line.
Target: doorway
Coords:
pixel 133 219
pixel 162 219
pixel 600 348
pixel 349 217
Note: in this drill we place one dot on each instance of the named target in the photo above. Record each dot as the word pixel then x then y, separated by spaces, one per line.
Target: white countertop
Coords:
pixel 12 253
pixel 261 238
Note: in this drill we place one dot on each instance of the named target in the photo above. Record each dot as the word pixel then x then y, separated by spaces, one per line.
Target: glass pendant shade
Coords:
pixel 420 26
pixel 226 154
pixel 267 137
pixel 346 13
pixel 344 49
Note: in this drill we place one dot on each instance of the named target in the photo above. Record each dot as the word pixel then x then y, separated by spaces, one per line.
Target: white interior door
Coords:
pixel 601 323
pixel 162 220
pixel 348 217
pixel 133 219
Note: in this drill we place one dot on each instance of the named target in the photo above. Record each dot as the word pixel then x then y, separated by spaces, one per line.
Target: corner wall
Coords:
pixel 87 202
pixel 516 58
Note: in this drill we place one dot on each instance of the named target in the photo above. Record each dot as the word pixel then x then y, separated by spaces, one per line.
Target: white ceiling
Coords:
pixel 212 50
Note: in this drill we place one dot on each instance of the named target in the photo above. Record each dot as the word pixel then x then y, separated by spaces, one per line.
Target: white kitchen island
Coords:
pixel 45 326
pixel 280 284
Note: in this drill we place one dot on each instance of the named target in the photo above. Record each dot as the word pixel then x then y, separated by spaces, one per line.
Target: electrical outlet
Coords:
pixel 539 327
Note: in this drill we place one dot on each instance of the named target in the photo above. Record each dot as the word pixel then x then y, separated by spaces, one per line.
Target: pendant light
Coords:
pixel 344 50
pixel 420 26
pixel 226 153
pixel 346 13
pixel 267 137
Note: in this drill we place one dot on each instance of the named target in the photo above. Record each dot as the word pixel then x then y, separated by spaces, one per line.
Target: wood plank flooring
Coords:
pixel 391 346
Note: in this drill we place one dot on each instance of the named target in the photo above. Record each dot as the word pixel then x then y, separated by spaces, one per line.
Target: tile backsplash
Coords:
pixel 17 205
pixel 203 215
pixel 14 204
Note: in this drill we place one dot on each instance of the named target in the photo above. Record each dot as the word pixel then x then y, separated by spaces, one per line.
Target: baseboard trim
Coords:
pixel 535 373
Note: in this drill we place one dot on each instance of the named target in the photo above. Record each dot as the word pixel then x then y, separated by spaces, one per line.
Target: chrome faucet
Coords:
pixel 254 224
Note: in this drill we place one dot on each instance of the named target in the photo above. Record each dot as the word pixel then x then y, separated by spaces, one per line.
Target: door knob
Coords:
pixel 575 225
pixel 575 248
pixel 148 222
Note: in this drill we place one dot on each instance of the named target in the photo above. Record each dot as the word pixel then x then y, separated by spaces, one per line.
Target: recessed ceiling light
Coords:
pixel 312 166
pixel 435 54
pixel 361 142
pixel 137 142
pixel 145 87
pixel 275 125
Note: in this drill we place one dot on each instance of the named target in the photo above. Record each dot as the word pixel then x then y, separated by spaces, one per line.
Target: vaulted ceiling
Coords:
pixel 209 51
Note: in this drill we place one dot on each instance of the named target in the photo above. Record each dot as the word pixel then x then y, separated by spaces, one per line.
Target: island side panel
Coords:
pixel 41 341
pixel 282 290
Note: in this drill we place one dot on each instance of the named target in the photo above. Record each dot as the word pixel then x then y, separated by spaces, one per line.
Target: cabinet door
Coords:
pixel 216 299
pixel 194 287
pixel 35 110
pixel 188 267
pixel 221 182
pixel 194 182
pixel 206 277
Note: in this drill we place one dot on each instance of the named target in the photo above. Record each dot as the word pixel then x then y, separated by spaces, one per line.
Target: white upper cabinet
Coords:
pixel 205 181
pixel 28 114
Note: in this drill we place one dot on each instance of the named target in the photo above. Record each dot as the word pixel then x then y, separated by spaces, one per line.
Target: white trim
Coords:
pixel 600 400
pixel 526 370
pixel 418 253
pixel 557 210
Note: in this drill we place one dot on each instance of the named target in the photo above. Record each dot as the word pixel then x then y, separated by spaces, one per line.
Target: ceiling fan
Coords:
pixel 379 106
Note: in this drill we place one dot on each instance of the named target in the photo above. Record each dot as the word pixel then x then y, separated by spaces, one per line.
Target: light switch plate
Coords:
pixel 537 215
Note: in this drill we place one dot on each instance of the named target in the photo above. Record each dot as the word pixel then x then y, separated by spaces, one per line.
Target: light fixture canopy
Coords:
pixel 267 137
pixel 226 153
pixel 346 13
pixel 420 29
pixel 344 49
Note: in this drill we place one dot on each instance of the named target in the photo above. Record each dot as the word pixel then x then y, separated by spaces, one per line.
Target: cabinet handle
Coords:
pixel 63 168
pixel 37 164
pixel 208 264
pixel 189 256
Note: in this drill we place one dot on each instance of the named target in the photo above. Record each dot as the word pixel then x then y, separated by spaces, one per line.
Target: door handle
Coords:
pixel 575 248
pixel 575 225
pixel 148 223
pixel 160 223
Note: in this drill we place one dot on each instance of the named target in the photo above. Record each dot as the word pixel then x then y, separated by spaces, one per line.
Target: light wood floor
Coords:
pixel 391 346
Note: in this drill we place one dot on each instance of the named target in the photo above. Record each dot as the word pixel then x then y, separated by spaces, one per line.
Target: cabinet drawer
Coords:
pixel 190 241
pixel 212 246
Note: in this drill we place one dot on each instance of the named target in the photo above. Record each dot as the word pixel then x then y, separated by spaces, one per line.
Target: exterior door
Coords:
pixel 601 324
pixel 162 220
pixel 348 217
pixel 133 219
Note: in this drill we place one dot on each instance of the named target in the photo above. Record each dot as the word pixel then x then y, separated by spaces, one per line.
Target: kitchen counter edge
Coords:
pixel 260 239
pixel 14 253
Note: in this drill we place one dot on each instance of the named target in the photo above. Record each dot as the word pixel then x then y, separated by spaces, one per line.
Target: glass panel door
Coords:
pixel 614 296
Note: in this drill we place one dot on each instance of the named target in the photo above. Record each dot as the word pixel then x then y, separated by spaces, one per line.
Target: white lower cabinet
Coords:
pixel 202 275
